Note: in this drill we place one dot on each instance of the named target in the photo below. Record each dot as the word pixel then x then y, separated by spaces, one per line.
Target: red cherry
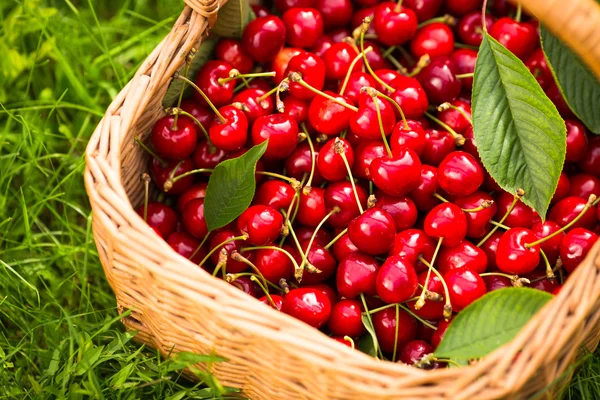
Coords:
pixel 203 114
pixel 410 96
pixel 193 218
pixel 283 5
pixel 470 28
pixel 356 274
pixel 590 163
pixel 577 141
pixel 206 156
pixel 438 145
pixel 432 310
pixel 273 265
pixel 455 119
pixel 161 173
pixel 568 208
pixel 331 164
pixel 254 108
pixel 464 286
pixel 171 142
pixel 490 247
pixel 414 137
pixel 278 300
pixel 337 60
pixel 425 9
pixel 312 70
pixel 438 335
pixel 466 254
pixel 373 231
pixel 308 305
pixel 365 123
pixel 346 319
pixel 539 281
pixel 439 80
pixel 478 222
pixel 303 26
pixel 281 62
pixel 296 108
pixel 519 38
pixel 464 61
pixel 460 174
pixel 423 195
pixel 231 51
pixel 262 224
pixel 263 38
pixel 335 13
pixel 385 324
pixel 551 247
pixel 232 266
pixel 396 280
pixel 520 216
pixel 186 245
pixel 311 207
pixel 583 185
pixel 231 134
pixel 446 221
pixel 260 11
pixel 248 286
pixel 496 282
pixel 356 81
pixel 375 57
pixel 207 80
pixel 275 193
pixel 341 195
pixel 329 117
pixel 282 132
pixel 512 257
pixel 394 24
pixel 414 351
pixel 364 154
pixel 562 189
pixel 538 66
pixel 197 191
pixel 411 244
pixel 435 39
pixel 575 246
pixel 323 44
pixel 398 174
pixel 462 7
pixel 402 209
pixel 321 259
pixel 304 233
pixel 300 162
pixel 160 217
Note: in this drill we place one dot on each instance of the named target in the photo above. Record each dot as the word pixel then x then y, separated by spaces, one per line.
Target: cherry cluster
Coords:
pixel 372 206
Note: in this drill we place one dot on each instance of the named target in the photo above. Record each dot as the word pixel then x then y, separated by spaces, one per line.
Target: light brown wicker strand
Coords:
pixel 176 305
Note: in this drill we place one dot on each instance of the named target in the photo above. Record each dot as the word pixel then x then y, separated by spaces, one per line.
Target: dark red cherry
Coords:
pixel 263 38
pixel 262 224
pixel 464 61
pixel 375 57
pixel 303 26
pixel 396 175
pixel 402 209
pixel 186 245
pixel 512 257
pixel 337 60
pixel 231 51
pixel 308 305
pixel 364 154
pixel 359 16
pixel 385 324
pixel 365 122
pixel 160 217
pixel 431 310
pixel 410 96
pixel 465 254
pixel 439 80
pixel 174 142
pixel 583 185
pixel 438 335
pixel 425 9
pixel 323 44
pixel 312 209
pixel 282 132
pixel 336 13
pixel 161 173
pixel 454 118
pixel 396 280
pixel 203 114
pixel 465 286
pixel 331 164
pixel 460 174
pixel 575 246
pixel 520 38
pixel 414 137
pixel 394 24
pixel 570 207
pixel 520 216
pixel 197 191
pixel 343 247
pixel 207 80
pixel 296 108
pixel 273 264
pixel 304 234
pixel 411 244
pixel 253 105
pixel 283 5
pixel 414 351
pixel 232 266
pixel 577 141
pixel 462 7
pixel 423 195
pixel 470 28
pixel 538 66
pixel 496 282
pixel 551 247
pixel 260 11
pixel 248 286
pixel 329 117
pixel 312 70
pixel 300 162
pixel 206 157
pixel 478 222
pixel 490 246
pixel 231 134
pixel 591 161
pixel 562 189
pixel 346 318
pixel 438 145
pixel 356 81
pixel 321 259
pixel 435 39
pixel 341 195
pixel 275 193
pixel 446 221
pixel 356 274
pixel 193 218
pixel 373 231
pixel 539 281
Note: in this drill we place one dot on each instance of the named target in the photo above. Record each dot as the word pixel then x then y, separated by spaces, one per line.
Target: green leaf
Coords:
pixel 366 345
pixel 373 348
pixel 204 54
pixel 231 188
pixel 520 136
pixel 233 18
pixel 576 81
pixel 490 322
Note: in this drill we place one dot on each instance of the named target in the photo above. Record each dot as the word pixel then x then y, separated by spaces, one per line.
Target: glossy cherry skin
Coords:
pixel 186 245
pixel 570 207
pixel 346 319
pixel 338 59
pixel 438 145
pixel 460 174
pixel 320 258
pixel 232 265
pixel 394 25
pixel 414 137
pixel 456 120
pixel 435 39
pixel 577 141
pixel 428 185
pixel 248 286
pixel 414 351
pixel 538 66
pixel 356 81
pixel 343 247
pixel 278 300
pixel 591 161
pixel 331 164
pixel 323 44
pixel 263 38
pixel 160 217
pixel 410 96
pixel 402 209
pixel 496 282
pixel 490 246
pixel 262 224
pixel 356 274
pixel 281 62
pixel 296 108
pixel 411 244
pixel 174 144
pixel 583 185
pixel 385 324
pixel 304 233
pixel 478 222
pixel 311 208
pixel 283 5
pixel 519 38
pixel 364 154
pixel 446 221
pixel 464 286
pixel 231 51
pixel 206 157
pixel 193 219
pixel 439 80
pixel 465 254
pixel 551 247
pixel 562 189
pixel 396 175
pixel 273 265
pixel 373 231
pixel 231 134
pixel 425 9
pixel 308 305
pixel 275 193
pixel 203 114
pixel 253 107
pixel 161 173
pixel 303 26
pixel 336 13
pixel 341 195
pixel 197 191
pixel 396 280
pixel 387 76
pixel 364 123
pixel 512 257
pixel 470 28
pixel 431 310
pixel 438 335
pixel 281 131
pixel 329 117
pixel 545 284
pixel 464 61
pixel 260 11
pixel 207 80
pixel 520 216
pixel 575 246
pixel 312 69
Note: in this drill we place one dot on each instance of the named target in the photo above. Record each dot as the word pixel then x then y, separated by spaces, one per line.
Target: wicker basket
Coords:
pixel 179 307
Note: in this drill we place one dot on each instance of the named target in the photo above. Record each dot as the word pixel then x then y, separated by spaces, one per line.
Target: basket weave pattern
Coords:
pixel 177 306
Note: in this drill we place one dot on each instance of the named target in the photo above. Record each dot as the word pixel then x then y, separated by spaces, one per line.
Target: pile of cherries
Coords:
pixel 371 202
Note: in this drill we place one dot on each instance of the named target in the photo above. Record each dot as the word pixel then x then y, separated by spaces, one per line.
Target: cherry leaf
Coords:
pixel 371 348
pixel 233 18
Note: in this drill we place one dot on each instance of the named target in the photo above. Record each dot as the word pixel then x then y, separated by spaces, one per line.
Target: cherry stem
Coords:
pixel 204 96
pixel 520 193
pixel 292 259
pixel 483 11
pixel 514 279
pixel 444 19
pixel 466 75
pixel 149 151
pixel 187 71
pixel 297 78
pixel 397 64
pixel 406 54
pixel 422 63
pixel 441 198
pixel 146 180
pixel 446 106
pixel 499 225
pixel 365 27
pixel 235 74
pixel 253 278
pixel 366 308
pixel 222 264
pixel 307 187
pixel 244 84
pixel 484 204
pixel 399 6
pixel 339 149
pixel 176 111
pixel 349 339
pixel 219 246
pixel 295 203
pixel 335 239
pixel 459 139
pixel 292 181
pixel 266 95
pixel 447 306
pixel 236 256
pixel 294 237
pixel 335 210
pixel 232 277
pixel 173 179
pixel 283 86
pixel 199 246
pixel 396 333
pixel 392 101
pixel 424 322
pixel 519 11
pixel 549 272
pixel 351 68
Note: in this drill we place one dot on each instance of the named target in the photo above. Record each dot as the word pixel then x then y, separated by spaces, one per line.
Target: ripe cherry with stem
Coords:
pixel 520 193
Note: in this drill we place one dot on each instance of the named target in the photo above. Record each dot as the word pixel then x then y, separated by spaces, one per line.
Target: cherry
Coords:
pixel 273 264
pixel 193 218
pixel 538 66
pixel 248 286
pixel 162 173
pixel 274 193
pixel 550 247
pixel 312 71
pixel 438 145
pixel 373 231
pixel 281 62
pixel 364 154
pixel 323 44
pixel 423 195
pixel 375 57
pixel 207 80
pixel 300 162
pixel 446 221
pixel 520 216
pixel 231 134
pixel 466 254
pixel 283 5
pixel 346 319
pixel 425 9
pixel 462 7
pixel 464 61
pixel 232 266
pixel 414 137
pixel 414 351
pixel 519 38
pixel 186 246
pixel 365 122
pixel 356 81
pixel 304 234
pixel 454 118
pixel 356 274
pixel 387 76
pixel 254 105
pixel 439 80
pixel 311 207
pixel 263 38
pixel 394 24
pixel 327 116
pixel 303 26
pixel 470 28
pixel 575 246
pixel 583 185
pixel 262 224
pixel 398 174
pixel 478 222
pixel 341 195
pixel 432 310
pixel 386 326
pixel 410 96
pixel 460 174
pixel 320 258
pixel 331 164
pixel 160 217
pixel 338 59
pixel 490 247
pixel 203 114
pixel 496 282
pixel 570 207
pixel 343 247
pixel 231 51
pixel 513 256
pixel 590 163
pixel 438 335
pixel 562 189
pixel 464 286
pixel 411 244
pixel 174 141
pixel 336 13
pixel 435 39
pixel 402 209
pixel 396 280
pixel 275 302
pixel 539 281
pixel 296 108
pixel 282 132
pixel 308 305
pixel 577 141
pixel 197 191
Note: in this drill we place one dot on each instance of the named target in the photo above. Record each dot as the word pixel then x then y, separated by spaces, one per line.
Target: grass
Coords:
pixel 60 336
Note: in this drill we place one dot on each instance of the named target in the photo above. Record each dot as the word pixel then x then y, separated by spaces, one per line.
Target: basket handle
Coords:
pixel 206 8
pixel 575 22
